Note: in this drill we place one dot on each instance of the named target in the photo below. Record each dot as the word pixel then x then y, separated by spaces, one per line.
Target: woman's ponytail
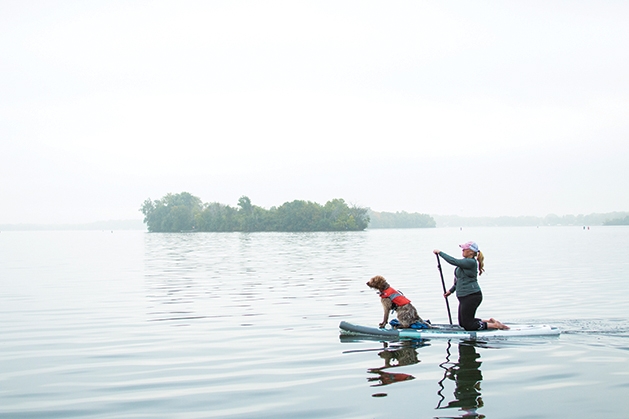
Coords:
pixel 481 262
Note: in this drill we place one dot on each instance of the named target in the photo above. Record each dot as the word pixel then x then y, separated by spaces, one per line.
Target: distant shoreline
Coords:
pixel 93 226
pixel 596 219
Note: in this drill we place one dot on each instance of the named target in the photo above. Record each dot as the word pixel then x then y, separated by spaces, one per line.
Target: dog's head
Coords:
pixel 378 282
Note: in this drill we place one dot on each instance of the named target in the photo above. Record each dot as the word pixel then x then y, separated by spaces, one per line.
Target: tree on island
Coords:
pixel 174 212
pixel 185 212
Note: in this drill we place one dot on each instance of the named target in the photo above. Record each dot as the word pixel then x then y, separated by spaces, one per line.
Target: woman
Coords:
pixel 467 289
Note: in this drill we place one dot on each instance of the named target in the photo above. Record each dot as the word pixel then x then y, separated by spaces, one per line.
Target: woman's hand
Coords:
pixel 436 251
pixel 447 294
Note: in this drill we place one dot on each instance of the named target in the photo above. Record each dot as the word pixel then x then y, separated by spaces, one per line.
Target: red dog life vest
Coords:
pixel 396 297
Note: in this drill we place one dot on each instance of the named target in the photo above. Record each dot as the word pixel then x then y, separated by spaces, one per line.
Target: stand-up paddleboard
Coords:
pixel 449 332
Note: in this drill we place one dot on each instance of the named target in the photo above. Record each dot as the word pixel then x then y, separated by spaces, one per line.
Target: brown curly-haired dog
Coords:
pixel 393 300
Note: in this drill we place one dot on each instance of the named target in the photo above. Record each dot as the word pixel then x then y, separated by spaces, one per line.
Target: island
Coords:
pixel 184 212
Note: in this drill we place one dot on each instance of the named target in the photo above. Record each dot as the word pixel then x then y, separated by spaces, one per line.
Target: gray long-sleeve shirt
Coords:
pixel 466 274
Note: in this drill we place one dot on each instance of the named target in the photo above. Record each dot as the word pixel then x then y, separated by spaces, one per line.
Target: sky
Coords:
pixel 446 108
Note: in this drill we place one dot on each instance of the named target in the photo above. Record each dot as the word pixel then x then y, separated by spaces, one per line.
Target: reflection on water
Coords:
pixel 170 268
pixel 248 279
pixel 394 356
pixel 467 376
pixel 465 372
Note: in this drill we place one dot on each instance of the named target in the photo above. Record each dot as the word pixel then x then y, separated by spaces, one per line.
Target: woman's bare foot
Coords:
pixel 495 324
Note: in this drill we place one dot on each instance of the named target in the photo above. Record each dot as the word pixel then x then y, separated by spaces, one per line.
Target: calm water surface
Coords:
pixel 138 325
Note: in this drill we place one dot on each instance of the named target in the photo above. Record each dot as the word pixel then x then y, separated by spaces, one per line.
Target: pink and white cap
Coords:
pixel 469 245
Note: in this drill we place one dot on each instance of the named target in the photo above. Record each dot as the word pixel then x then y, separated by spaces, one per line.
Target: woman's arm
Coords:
pixel 465 263
pixel 452 288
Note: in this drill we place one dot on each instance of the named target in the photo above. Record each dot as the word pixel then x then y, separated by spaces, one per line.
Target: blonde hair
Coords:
pixel 481 262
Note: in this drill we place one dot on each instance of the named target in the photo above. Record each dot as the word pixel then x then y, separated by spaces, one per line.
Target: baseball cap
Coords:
pixel 469 245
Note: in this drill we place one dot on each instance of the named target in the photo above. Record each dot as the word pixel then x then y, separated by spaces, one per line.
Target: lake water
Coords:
pixel 127 324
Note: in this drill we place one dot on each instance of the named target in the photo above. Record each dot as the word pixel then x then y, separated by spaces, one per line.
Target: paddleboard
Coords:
pixel 447 331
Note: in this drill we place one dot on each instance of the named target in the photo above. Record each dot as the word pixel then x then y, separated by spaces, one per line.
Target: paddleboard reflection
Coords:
pixel 467 377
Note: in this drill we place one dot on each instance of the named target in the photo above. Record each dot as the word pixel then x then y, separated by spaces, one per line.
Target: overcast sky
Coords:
pixel 450 107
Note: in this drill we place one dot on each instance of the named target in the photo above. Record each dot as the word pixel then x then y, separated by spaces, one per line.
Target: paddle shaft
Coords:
pixel 443 284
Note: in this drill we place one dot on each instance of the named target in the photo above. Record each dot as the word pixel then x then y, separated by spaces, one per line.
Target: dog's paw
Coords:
pixel 382 325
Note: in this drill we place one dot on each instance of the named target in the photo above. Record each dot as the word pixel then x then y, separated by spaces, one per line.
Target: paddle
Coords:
pixel 443 284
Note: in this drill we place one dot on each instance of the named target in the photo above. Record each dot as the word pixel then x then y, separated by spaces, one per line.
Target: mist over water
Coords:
pixel 131 324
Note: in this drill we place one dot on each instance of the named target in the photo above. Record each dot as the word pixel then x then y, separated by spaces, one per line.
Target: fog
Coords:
pixel 453 108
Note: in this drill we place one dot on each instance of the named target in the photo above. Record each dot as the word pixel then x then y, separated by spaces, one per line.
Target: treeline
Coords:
pixel 595 219
pixel 400 220
pixel 186 212
pixel 617 222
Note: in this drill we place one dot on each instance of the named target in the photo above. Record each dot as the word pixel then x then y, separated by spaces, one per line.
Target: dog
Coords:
pixel 393 300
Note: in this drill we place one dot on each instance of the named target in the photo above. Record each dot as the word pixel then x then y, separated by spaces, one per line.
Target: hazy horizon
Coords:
pixel 461 108
pixel 133 223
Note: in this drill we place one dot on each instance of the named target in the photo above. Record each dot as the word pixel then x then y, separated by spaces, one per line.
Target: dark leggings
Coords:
pixel 467 312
